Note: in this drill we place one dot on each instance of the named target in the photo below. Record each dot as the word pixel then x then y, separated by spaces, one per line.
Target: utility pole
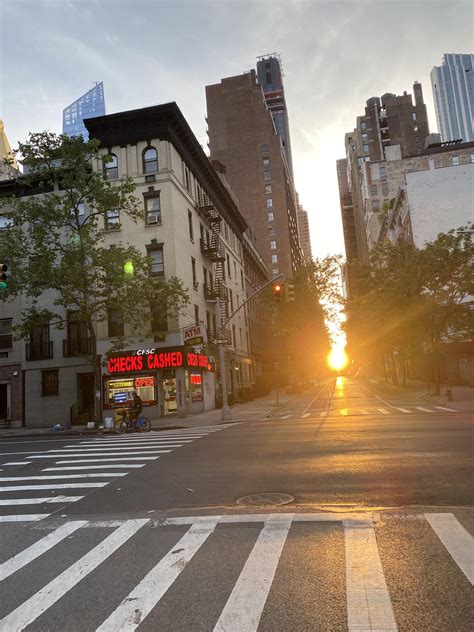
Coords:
pixel 220 343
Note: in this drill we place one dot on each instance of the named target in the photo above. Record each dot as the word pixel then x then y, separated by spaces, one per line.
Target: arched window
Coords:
pixel 111 167
pixel 150 160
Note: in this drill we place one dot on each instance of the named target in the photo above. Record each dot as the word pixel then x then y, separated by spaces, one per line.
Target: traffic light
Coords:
pixel 277 289
pixel 289 293
pixel 128 268
pixel 3 275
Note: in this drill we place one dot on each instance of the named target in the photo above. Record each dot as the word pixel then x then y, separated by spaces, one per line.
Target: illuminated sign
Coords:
pixel 140 382
pixel 146 359
pixel 196 378
pixel 194 335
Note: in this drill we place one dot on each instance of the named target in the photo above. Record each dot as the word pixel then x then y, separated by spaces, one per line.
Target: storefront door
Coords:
pixel 168 386
pixel 4 412
pixel 85 393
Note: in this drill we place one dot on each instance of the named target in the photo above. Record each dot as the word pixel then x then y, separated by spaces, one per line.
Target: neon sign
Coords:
pixel 143 360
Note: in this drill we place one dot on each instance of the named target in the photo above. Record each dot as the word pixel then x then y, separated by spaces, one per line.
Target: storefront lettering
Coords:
pixel 145 359
pixel 125 364
pixel 165 360
pixel 196 359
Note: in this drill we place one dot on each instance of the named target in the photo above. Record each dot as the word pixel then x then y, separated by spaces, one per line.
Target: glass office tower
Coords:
pixel 453 92
pixel 89 105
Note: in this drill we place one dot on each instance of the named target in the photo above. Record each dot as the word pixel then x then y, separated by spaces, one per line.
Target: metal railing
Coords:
pixel 39 350
pixel 76 346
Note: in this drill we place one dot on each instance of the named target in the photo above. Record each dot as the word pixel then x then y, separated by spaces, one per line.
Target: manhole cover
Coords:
pixel 266 498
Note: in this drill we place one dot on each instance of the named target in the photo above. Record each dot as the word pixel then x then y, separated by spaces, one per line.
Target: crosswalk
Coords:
pixel 373 411
pixel 77 469
pixel 175 551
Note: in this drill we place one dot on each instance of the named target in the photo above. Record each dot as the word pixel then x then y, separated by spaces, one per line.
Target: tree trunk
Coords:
pixel 95 361
pixel 394 370
pixel 404 368
pixel 437 375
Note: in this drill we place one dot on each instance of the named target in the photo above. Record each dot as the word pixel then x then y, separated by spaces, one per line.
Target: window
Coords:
pixel 231 301
pixel 242 279
pixel 193 267
pixel 266 164
pixel 275 271
pixel 157 261
pixel 376 205
pixel 266 175
pixel 413 116
pixel 114 322
pixel 415 128
pixel 235 270
pixel 273 245
pixel 382 172
pixel 373 190
pixel 271 231
pixel 228 265
pixel 364 136
pixel 384 188
pixel 268 77
pixel 208 324
pixel 159 321
pixel 363 125
pixel 153 208
pixel 268 188
pixel 264 149
pixel 150 160
pixel 472 157
pixel 274 259
pixel 204 275
pixel 187 179
pixel 50 382
pixel 233 336
pixel 6 335
pixel 269 202
pixel 270 217
pixel 190 224
pixel 410 166
pixel 111 167
pixel 455 160
pixel 366 148
pixel 196 314
pixel 112 220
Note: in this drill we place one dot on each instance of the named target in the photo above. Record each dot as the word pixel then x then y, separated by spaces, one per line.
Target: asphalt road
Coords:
pixel 145 531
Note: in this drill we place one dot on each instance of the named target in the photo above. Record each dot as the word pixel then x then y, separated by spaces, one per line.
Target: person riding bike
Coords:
pixel 136 407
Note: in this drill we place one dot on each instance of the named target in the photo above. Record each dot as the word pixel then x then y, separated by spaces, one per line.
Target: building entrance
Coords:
pixel 170 405
pixel 4 412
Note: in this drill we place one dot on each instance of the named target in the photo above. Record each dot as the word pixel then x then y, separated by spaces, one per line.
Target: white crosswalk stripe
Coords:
pixel 368 601
pixel 104 457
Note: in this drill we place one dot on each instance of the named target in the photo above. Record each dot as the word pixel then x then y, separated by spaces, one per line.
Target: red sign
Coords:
pixel 144 381
pixel 196 378
pixel 131 362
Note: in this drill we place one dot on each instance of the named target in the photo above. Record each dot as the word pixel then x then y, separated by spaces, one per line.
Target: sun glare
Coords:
pixel 337 359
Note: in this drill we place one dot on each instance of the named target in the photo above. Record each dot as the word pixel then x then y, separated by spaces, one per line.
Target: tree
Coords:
pixel 412 297
pixel 56 243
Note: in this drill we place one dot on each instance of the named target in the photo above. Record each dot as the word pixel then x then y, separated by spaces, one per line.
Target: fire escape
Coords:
pixel 214 250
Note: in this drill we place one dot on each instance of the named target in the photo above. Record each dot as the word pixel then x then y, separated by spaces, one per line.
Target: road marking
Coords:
pixel 285 416
pixel 122 446
pixel 33 607
pixel 458 542
pixel 344 412
pixel 38 548
pixel 144 597
pixel 53 477
pixel 363 411
pixel 39 501
pixel 425 410
pixel 23 518
pixel 92 467
pixel 383 411
pixel 368 602
pixel 324 413
pixel 12 453
pixel 28 488
pixel 451 410
pixel 304 415
pixel 18 463
pixel 247 600
pixel 100 460
pixel 403 410
pixel 120 455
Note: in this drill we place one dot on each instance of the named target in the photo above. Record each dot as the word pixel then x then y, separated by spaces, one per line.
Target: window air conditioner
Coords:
pixel 153 218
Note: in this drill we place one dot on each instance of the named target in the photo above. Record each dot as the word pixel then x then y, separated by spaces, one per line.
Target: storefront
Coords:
pixel 170 381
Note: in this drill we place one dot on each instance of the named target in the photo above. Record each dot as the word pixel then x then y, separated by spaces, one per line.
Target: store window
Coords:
pixel 195 387
pixel 119 391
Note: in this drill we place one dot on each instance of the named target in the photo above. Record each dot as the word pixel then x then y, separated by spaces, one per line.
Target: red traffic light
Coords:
pixel 277 289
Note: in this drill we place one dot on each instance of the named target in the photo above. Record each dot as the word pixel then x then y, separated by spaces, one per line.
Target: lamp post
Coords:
pixel 226 412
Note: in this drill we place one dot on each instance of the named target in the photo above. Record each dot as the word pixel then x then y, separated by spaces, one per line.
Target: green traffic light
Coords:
pixel 128 267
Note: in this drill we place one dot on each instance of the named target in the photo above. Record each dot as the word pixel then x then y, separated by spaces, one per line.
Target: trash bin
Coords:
pixel 108 423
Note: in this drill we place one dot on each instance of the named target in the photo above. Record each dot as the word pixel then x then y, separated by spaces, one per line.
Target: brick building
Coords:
pixel 243 137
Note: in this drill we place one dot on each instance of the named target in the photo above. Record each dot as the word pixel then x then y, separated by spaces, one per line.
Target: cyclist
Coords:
pixel 136 407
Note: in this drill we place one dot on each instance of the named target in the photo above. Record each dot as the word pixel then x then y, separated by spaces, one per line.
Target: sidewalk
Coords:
pixel 463 396
pixel 250 411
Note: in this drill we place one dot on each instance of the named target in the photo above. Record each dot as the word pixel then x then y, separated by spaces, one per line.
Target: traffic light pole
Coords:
pixel 226 411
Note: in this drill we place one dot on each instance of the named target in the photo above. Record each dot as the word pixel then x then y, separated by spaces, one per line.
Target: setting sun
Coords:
pixel 337 358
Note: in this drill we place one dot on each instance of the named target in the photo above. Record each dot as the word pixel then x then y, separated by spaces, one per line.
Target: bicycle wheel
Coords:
pixel 120 427
pixel 146 425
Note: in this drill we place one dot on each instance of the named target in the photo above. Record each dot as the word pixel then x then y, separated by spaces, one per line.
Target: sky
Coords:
pixel 335 56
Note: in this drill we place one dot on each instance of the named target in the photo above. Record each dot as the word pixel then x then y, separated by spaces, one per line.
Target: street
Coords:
pixel 154 531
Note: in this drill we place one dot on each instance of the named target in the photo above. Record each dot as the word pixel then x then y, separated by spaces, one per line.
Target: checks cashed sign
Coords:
pixel 195 335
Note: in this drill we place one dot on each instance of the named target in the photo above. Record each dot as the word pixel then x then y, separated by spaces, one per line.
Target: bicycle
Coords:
pixel 127 424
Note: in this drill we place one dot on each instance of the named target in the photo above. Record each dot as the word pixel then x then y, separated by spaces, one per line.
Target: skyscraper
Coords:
pixel 270 77
pixel 453 94
pixel 303 233
pixel 89 105
pixel 242 137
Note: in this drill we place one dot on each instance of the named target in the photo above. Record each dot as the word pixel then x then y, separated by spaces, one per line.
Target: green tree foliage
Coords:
pixel 410 298
pixel 56 243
